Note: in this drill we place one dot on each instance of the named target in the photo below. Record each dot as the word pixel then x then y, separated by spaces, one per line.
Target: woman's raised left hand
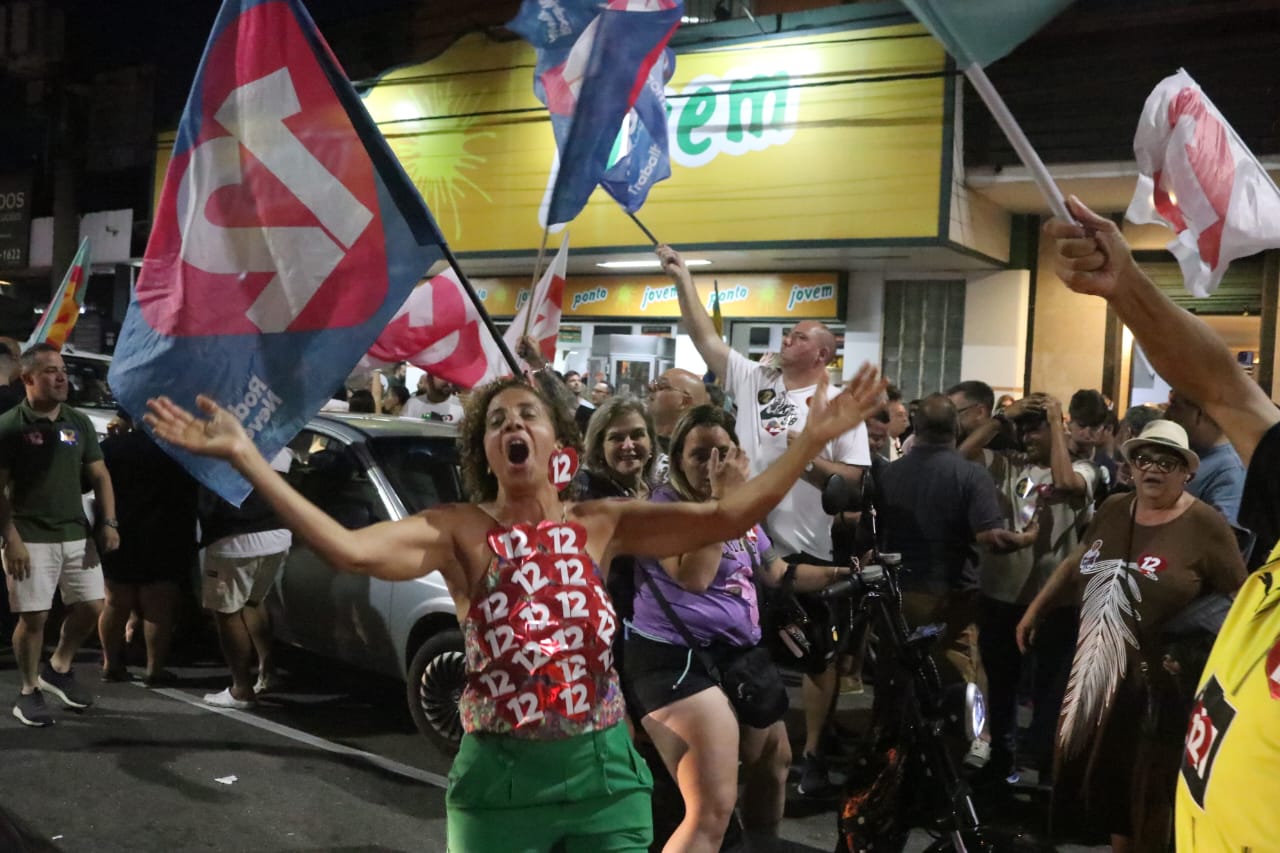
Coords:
pixel 219 435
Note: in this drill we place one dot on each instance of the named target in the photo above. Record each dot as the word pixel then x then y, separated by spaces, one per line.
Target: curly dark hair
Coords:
pixel 477 478
pixel 705 415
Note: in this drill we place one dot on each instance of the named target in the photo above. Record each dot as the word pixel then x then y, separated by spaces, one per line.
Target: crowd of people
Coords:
pixel 1081 559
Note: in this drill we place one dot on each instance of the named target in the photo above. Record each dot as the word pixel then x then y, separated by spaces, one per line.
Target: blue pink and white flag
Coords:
pixel 64 309
pixel 1196 177
pixel 286 236
pixel 602 69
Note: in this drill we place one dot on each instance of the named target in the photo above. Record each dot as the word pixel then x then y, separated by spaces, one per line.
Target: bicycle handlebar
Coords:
pixel 856 583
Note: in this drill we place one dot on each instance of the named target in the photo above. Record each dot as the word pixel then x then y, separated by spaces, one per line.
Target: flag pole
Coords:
pixel 537 268
pixel 1018 139
pixel 452 260
pixel 647 232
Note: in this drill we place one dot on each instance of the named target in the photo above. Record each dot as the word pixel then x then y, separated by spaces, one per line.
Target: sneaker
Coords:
pixel 224 699
pixel 813 776
pixel 31 710
pixel 264 684
pixel 64 686
pixel 979 754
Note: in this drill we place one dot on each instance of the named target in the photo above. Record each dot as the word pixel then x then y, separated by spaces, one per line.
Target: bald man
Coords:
pixel 773 405
pixel 671 395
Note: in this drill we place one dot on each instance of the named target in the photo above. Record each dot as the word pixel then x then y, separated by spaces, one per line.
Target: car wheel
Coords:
pixel 435 681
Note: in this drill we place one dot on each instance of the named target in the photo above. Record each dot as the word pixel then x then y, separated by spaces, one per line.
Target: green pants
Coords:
pixel 584 794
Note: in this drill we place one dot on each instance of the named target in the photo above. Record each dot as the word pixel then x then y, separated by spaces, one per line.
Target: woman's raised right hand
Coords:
pixel 219 435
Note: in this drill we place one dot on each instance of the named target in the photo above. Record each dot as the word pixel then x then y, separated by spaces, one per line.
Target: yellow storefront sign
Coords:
pixel 830 138
pixel 795 296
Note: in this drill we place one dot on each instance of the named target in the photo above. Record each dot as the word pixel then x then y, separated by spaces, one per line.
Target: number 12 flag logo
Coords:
pixel 286 237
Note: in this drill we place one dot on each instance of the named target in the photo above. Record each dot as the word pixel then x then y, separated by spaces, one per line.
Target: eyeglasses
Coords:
pixel 661 384
pixel 1164 464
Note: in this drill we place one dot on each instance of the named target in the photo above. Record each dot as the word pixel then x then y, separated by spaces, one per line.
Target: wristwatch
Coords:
pixel 111 522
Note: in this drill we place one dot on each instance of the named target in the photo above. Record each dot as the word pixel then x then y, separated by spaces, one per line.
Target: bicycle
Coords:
pixel 904 771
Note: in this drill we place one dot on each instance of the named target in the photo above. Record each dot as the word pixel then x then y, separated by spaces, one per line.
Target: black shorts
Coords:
pixel 659 674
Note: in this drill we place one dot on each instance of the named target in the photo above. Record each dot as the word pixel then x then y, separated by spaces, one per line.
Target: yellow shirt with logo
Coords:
pixel 1228 795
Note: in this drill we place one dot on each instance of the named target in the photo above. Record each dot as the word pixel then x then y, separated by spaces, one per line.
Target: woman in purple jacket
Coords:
pixel 712 591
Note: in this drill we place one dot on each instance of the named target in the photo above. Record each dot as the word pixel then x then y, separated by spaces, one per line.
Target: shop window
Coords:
pixel 923 335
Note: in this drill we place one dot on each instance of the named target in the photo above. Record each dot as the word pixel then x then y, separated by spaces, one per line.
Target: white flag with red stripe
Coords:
pixel 439 330
pixel 1198 178
pixel 542 311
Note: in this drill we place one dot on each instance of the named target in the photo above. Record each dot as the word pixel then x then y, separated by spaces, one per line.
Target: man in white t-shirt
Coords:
pixel 436 400
pixel 242 551
pixel 773 405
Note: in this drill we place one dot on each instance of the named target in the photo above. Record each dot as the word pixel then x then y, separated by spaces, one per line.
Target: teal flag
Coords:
pixel 978 32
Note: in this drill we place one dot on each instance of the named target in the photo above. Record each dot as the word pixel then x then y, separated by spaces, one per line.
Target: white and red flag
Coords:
pixel 1198 178
pixel 541 313
pixel 439 329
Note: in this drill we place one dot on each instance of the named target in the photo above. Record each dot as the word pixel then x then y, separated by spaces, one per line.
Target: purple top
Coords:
pixel 725 612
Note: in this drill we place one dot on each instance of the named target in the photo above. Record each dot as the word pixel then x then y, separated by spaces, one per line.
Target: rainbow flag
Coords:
pixel 64 309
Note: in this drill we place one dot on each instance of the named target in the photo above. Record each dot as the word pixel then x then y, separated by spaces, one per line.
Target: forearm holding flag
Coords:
pixel 1093 258
pixel 712 348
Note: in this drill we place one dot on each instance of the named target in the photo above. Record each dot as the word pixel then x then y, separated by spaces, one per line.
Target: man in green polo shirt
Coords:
pixel 47 451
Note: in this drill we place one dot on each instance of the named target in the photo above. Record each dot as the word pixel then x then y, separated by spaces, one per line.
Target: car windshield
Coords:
pixel 423 471
pixel 87 383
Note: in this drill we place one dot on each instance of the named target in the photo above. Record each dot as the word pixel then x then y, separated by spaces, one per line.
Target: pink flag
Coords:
pixel 439 330
pixel 1197 177
pixel 545 303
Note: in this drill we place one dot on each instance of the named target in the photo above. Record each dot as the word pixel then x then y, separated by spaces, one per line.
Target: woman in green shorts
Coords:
pixel 546 762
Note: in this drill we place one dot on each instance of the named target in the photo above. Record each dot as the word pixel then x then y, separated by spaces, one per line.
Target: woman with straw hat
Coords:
pixel 1145 557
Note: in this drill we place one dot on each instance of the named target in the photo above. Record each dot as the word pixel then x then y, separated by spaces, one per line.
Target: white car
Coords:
pixel 87 386
pixel 362 469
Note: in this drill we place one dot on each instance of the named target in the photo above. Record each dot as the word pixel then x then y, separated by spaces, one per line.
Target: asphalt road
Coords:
pixel 331 762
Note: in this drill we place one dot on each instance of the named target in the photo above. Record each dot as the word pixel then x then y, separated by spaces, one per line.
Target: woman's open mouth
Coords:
pixel 517 451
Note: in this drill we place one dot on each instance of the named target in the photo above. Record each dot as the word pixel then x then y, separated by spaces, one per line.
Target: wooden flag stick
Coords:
pixel 533 287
